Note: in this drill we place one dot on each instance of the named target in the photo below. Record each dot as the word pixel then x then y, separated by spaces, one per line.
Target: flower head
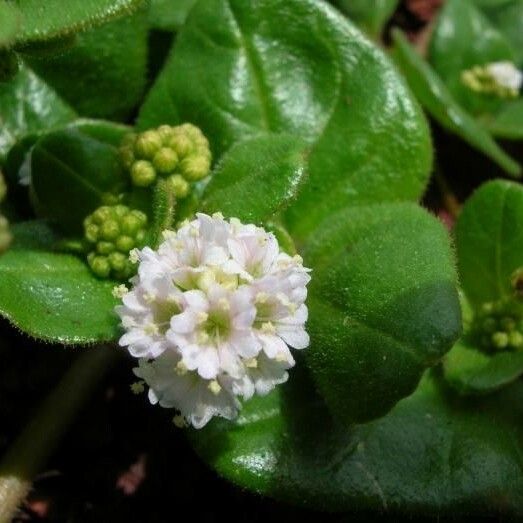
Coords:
pixel 502 79
pixel 213 314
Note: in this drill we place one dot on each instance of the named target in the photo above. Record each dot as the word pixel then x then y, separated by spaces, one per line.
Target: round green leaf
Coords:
pixel 299 67
pixel 433 454
pixel 471 371
pixel 256 178
pixel 441 105
pixel 53 296
pixel 71 162
pixel 489 240
pixel 383 306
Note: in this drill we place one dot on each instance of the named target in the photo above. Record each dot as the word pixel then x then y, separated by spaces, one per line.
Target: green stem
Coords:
pixel 164 209
pixel 29 452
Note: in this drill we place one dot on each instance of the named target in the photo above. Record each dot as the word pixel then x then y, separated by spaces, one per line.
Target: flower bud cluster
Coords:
pixel 181 154
pixel 501 79
pixel 112 231
pixel 499 325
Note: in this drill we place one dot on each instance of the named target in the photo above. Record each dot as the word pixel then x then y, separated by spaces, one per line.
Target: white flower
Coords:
pixel 213 314
pixel 506 75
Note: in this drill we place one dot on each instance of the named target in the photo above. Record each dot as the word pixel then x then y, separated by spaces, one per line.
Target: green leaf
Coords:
pixel 433 454
pixel 53 296
pixel 87 170
pixel 241 67
pixel 55 19
pixel 256 178
pixel 471 371
pixel 169 15
pixel 370 15
pixel 383 306
pixel 103 74
pixel 441 105
pixel 10 17
pixel 28 105
pixel 489 241
pixel 464 37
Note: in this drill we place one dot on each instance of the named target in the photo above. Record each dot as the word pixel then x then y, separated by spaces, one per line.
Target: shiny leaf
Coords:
pixel 53 296
pixel 432 454
pixel 299 67
pixel 28 105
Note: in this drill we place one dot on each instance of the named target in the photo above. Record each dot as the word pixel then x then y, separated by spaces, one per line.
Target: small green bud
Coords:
pixel 110 230
pixel 121 230
pixel 181 144
pixel 180 185
pixel 99 265
pixel 515 340
pixel 5 234
pixel 125 244
pixel 147 144
pixel 165 160
pixel 507 324
pixel 118 261
pixel 143 173
pixel 500 340
pixel 104 247
pixel 91 231
pixel 166 132
pixel 195 168
pixel 127 156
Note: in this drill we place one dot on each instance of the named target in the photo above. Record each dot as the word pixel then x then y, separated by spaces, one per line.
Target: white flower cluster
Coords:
pixel 212 315
pixel 506 75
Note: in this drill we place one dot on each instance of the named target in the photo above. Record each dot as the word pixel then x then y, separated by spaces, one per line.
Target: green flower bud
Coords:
pixel 99 265
pixel 165 160
pixel 515 340
pixel 148 144
pixel 5 234
pixel 143 173
pixel 500 340
pixel 111 232
pixel 180 185
pixel 181 151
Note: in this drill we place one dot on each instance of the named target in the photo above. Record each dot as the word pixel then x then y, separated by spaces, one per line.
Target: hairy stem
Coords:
pixel 38 440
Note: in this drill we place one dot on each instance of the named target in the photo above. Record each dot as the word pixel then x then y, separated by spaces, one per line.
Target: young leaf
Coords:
pixel 299 67
pixel 28 105
pixel 256 178
pixel 53 296
pixel 432 454
pixel 471 371
pixel 383 306
pixel 55 19
pixel 370 15
pixel 440 104
pixel 489 241
pixel 71 162
pixel 103 74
